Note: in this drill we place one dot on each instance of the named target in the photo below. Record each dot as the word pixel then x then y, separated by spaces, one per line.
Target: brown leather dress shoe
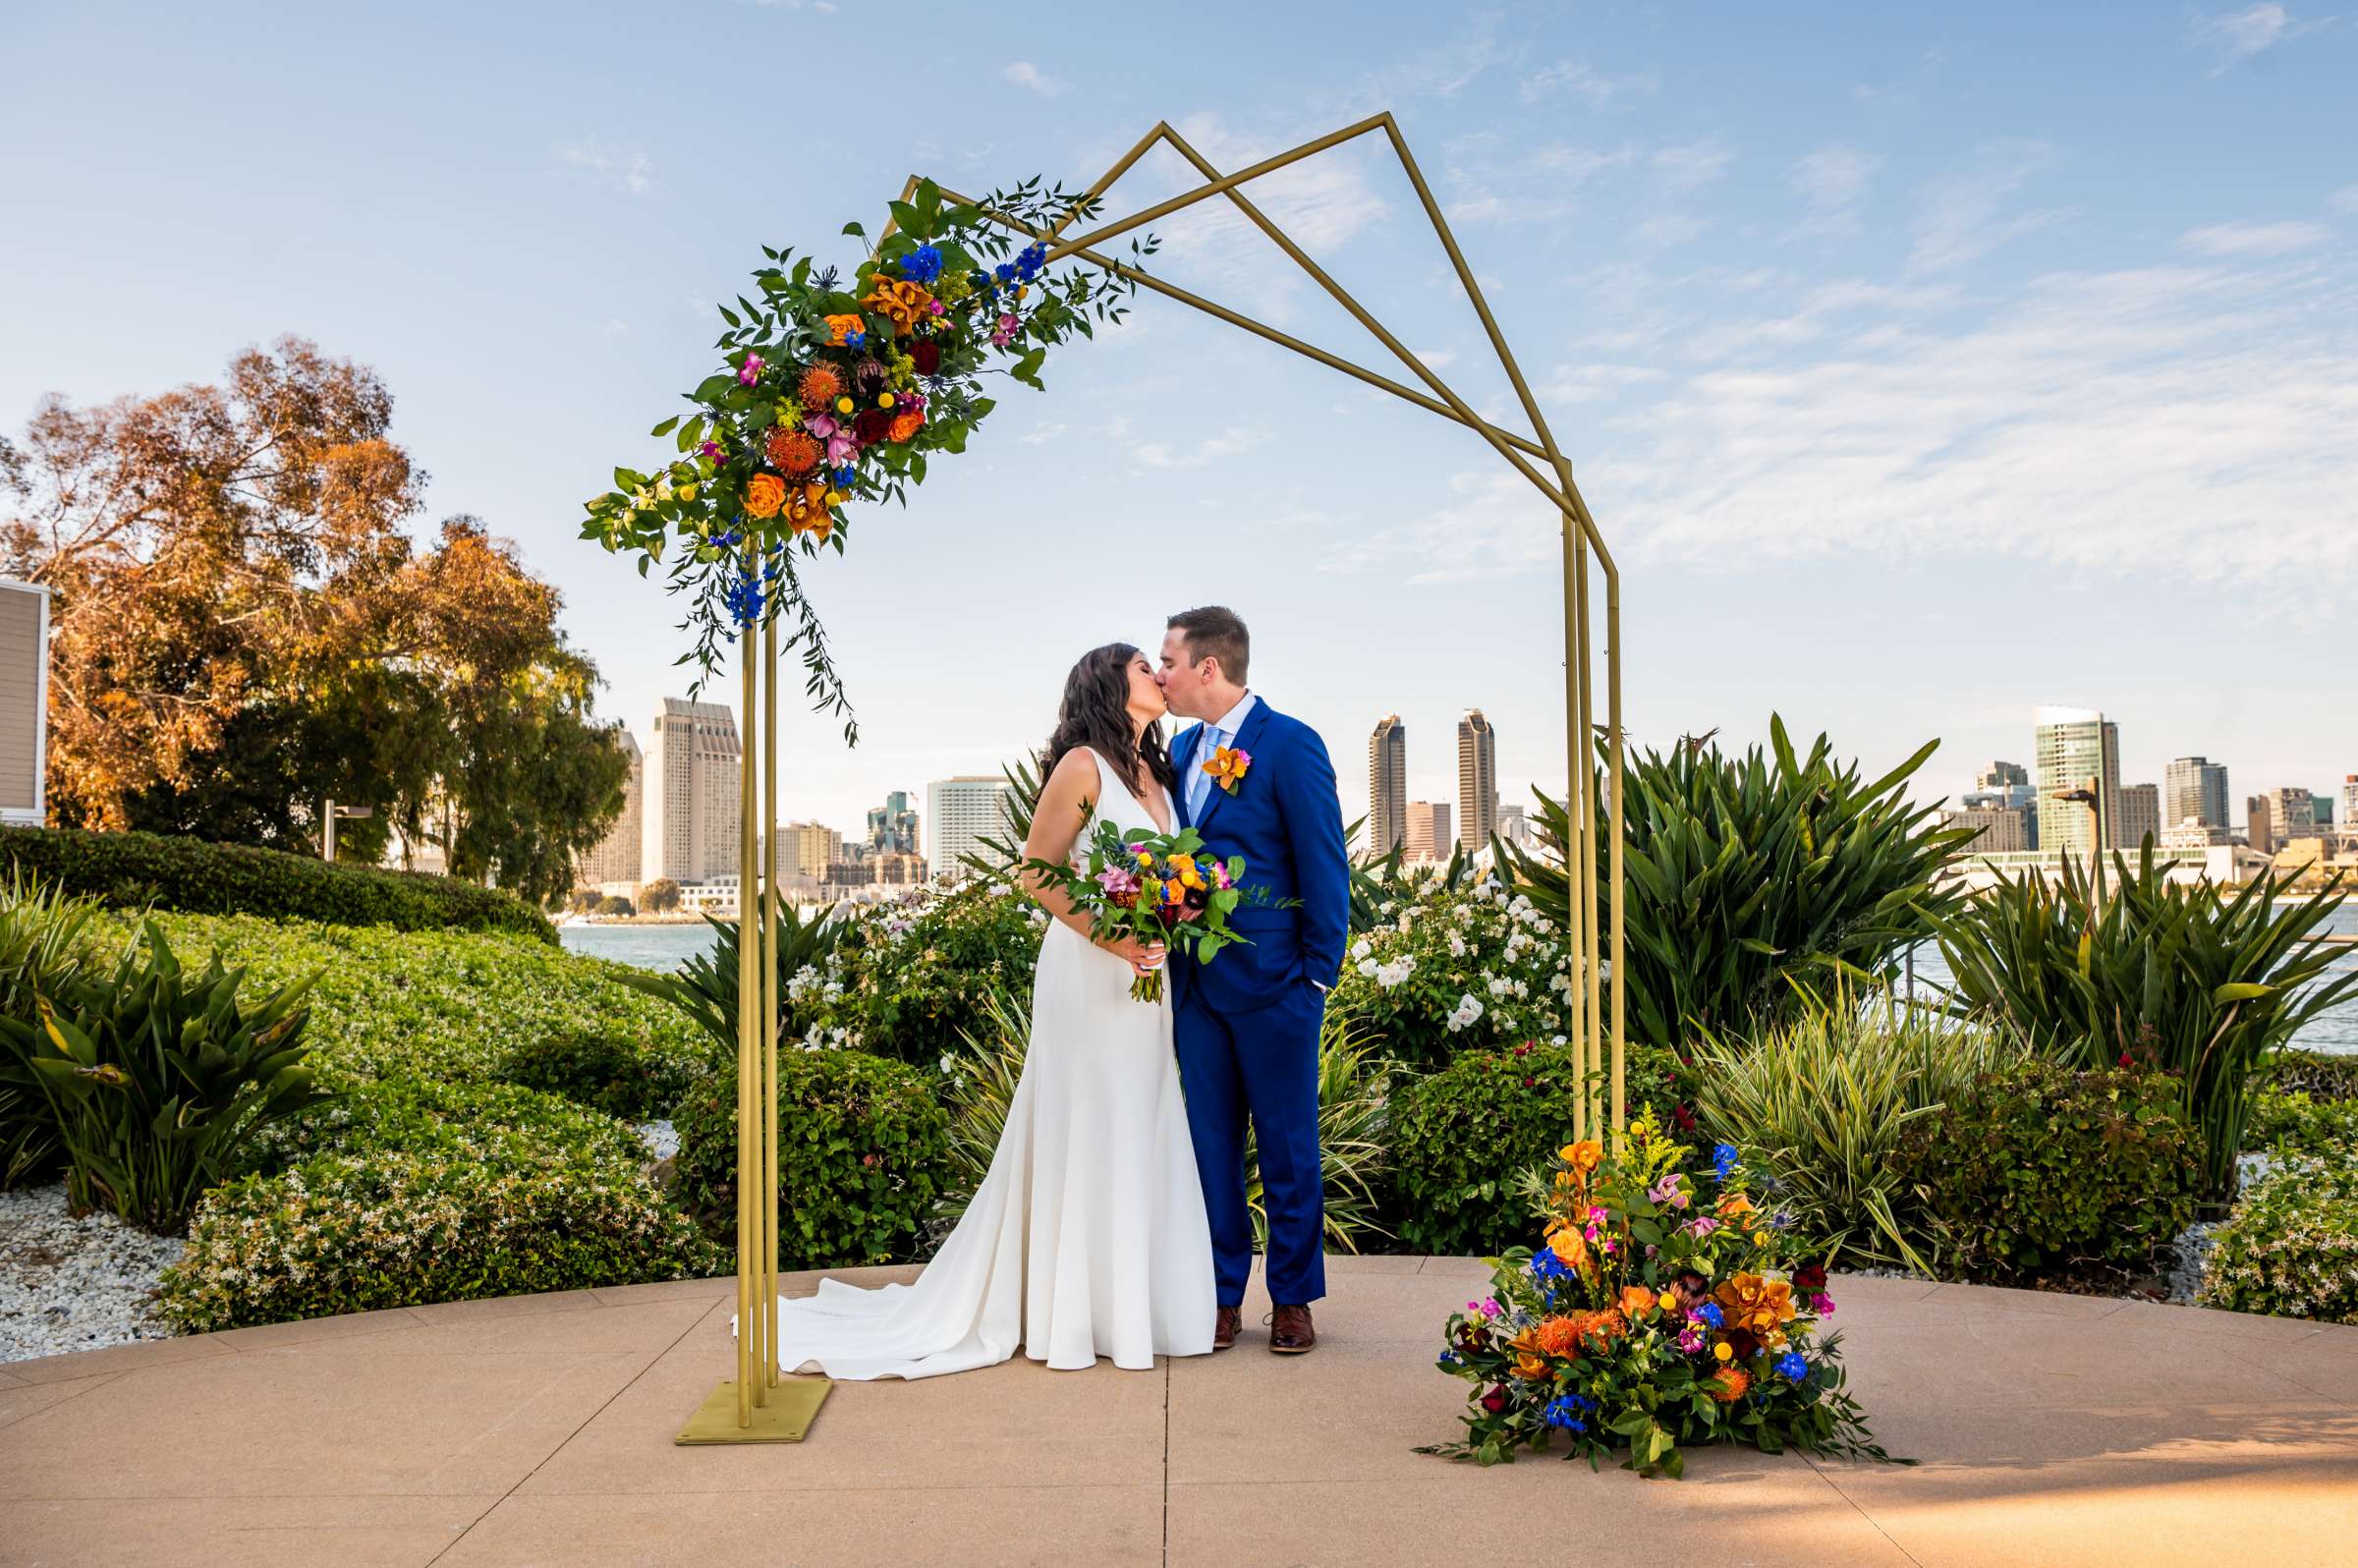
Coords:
pixel 1290 1331
pixel 1224 1326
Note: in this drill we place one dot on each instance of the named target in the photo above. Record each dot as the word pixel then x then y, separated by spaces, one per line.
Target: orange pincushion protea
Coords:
pixel 1730 1385
pixel 792 452
pixel 819 387
pixel 764 493
pixel 1556 1336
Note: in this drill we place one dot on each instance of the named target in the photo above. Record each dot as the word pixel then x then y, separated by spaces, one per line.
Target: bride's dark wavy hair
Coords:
pixel 1095 712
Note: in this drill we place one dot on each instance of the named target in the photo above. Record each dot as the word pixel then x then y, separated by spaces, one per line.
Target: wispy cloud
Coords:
pixel 2234 36
pixel 1231 442
pixel 1831 179
pixel 2253 239
pixel 1963 217
pixel 631 173
pixel 1044 435
pixel 2344 199
pixel 1689 166
pixel 1577 79
pixel 1321 203
pixel 1028 77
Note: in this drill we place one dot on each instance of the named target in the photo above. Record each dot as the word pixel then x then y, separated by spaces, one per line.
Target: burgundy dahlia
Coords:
pixel 927 355
pixel 1494 1401
pixel 1810 1279
pixel 872 425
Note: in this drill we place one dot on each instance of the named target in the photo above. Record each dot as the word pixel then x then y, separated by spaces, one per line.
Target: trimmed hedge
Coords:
pixel 2037 1169
pixel 450 1121
pixel 2299 1123
pixel 136 870
pixel 863 1156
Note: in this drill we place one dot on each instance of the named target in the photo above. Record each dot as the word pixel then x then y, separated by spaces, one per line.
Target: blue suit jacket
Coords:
pixel 1287 822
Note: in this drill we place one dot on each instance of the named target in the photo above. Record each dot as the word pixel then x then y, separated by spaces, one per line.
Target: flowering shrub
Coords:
pixel 448 1121
pixel 908 981
pixel 863 1156
pixel 2037 1169
pixel 1656 1317
pixel 1449 970
pixel 348 1233
pixel 1460 1137
pixel 2300 1123
pixel 2290 1248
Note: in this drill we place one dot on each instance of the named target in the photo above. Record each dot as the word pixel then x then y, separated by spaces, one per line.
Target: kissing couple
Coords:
pixel 1114 1220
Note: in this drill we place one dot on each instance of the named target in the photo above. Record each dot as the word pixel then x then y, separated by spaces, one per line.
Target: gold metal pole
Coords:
pixel 770 1008
pixel 1575 808
pixel 1592 1021
pixel 748 1060
pixel 1617 841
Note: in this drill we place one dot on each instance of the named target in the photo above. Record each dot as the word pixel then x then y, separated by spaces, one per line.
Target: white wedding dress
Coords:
pixel 1089 1236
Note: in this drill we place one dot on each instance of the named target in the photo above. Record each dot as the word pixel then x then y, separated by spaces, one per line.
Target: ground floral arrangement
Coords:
pixel 834 390
pixel 1652 1320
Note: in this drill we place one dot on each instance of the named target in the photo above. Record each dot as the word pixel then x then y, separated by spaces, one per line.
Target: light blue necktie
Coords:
pixel 1198 781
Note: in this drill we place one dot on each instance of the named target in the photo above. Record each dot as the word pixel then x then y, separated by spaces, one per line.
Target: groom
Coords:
pixel 1258 784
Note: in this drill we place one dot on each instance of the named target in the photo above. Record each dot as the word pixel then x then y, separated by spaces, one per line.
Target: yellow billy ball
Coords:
pixel 843 405
pixel 885 401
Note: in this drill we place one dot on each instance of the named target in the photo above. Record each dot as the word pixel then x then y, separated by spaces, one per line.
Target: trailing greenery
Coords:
pixel 2291 1123
pixel 46 942
pixel 157 1078
pixel 2290 1248
pixel 1820 1106
pixel 446 1121
pixel 982 1084
pixel 347 1232
pixel 454 1006
pixel 1751 880
pixel 2191 980
pixel 138 870
pixel 863 1156
pixel 1463 1137
pixel 2036 1170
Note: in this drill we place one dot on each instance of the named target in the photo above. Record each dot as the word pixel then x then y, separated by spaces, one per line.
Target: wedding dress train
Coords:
pixel 1089 1236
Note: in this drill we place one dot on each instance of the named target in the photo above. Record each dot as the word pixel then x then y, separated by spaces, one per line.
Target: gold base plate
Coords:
pixel 786 1419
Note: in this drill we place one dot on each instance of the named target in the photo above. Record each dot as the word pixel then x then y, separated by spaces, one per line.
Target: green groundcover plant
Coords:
pixel 143 870
pixel 2290 1123
pixel 448 1121
pixel 2290 1248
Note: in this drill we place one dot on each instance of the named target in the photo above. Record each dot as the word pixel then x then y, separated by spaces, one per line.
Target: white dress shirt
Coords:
pixel 1220 732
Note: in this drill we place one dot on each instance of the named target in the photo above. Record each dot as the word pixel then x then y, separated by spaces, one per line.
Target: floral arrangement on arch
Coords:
pixel 1655 1318
pixel 833 392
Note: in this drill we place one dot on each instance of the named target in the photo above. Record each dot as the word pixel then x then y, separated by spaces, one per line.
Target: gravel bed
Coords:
pixel 662 1139
pixel 69 1284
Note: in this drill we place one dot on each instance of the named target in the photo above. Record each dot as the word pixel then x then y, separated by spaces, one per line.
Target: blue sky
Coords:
pixel 1921 368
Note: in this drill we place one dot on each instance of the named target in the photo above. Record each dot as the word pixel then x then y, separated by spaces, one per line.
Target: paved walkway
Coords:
pixel 2053 1430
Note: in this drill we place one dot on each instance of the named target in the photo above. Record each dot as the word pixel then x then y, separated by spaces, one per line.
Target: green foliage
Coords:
pixel 2294 1122
pixel 46 942
pixel 1820 1106
pixel 348 1233
pixel 2316 1073
pixel 156 1079
pixel 2290 1248
pixel 458 1007
pixel 446 1121
pixel 1451 967
pixel 863 1156
pixel 1751 880
pixel 982 1082
pixel 704 988
pixel 1462 1140
pixel 2037 1170
pixel 910 980
pixel 137 869
pixel 2185 978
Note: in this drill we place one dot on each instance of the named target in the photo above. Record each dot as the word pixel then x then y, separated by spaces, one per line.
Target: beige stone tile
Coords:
pixel 467 1311
pixel 2177 1322
pixel 9 1379
pixel 804 1281
pixel 1730 1510
pixel 140 1356
pixel 2323 1374
pixel 23 1401
pixel 647 1329
pixel 1017 1423
pixel 312 1330
pixel 239 1532
pixel 1350 1409
pixel 1998 1297
pixel 966 1527
pixel 1349 1265
pixel 316 1420
pixel 662 1290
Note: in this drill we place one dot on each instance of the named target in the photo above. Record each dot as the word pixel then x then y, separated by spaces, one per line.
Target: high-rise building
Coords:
pixel 2194 789
pixel 1997 829
pixel 1428 837
pixel 892 826
pixel 2260 827
pixel 616 857
pixel 961 813
pixel 2140 817
pixel 2347 816
pixel 690 812
pixel 2000 775
pixel 1388 785
pixel 808 848
pixel 2292 812
pixel 1514 826
pixel 2074 744
pixel 1477 781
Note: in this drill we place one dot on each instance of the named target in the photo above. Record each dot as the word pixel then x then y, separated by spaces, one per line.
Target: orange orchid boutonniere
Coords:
pixel 1227 766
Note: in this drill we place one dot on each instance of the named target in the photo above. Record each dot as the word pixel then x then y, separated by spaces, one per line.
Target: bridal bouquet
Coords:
pixel 1157 887
pixel 1659 1315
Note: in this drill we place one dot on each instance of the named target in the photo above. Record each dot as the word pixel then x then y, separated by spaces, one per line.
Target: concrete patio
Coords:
pixel 2052 1430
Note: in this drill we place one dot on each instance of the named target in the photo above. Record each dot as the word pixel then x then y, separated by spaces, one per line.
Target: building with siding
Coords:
pixel 24 702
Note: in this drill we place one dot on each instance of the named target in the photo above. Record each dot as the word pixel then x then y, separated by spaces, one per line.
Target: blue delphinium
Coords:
pixel 746 599
pixel 1724 1159
pixel 855 340
pixel 1002 273
pixel 1566 1410
pixel 1793 1366
pixel 1450 1359
pixel 923 264
pixel 847 476
pixel 1030 260
pixel 1710 1314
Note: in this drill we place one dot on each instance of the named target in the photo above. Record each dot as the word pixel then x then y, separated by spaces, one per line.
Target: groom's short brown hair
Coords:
pixel 1216 632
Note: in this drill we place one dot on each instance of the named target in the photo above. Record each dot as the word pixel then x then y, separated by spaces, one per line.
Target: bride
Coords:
pixel 1089 1236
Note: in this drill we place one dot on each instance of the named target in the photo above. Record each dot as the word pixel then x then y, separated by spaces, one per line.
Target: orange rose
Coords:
pixel 1583 1157
pixel 1635 1300
pixel 905 425
pixel 1570 1249
pixel 764 494
pixel 840 327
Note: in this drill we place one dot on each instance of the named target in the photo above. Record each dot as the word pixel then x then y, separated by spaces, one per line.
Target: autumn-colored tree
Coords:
pixel 242 629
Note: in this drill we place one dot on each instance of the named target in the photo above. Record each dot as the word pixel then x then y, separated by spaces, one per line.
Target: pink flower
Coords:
pixel 1702 1225
pixel 1822 1305
pixel 841 449
pixel 711 449
pixel 1491 1306
pixel 822 426
pixel 1220 873
pixel 1004 333
pixel 1689 1339
pixel 750 370
pixel 935 308
pixel 1116 880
